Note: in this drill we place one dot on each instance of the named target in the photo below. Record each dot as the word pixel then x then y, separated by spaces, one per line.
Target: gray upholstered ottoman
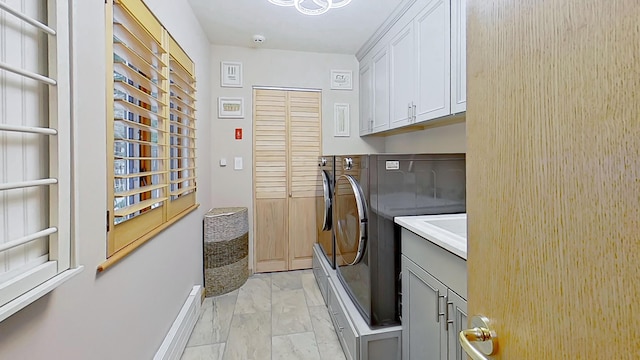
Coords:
pixel 226 249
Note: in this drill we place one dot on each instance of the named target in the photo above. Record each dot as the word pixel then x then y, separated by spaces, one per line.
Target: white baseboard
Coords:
pixel 178 335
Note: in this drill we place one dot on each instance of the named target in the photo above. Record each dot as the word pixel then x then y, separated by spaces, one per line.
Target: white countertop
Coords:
pixel 447 231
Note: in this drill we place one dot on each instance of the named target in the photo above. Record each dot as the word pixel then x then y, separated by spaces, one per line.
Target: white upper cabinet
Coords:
pixel 381 90
pixel 402 77
pixel 458 56
pixel 366 99
pixel 433 61
pixel 420 53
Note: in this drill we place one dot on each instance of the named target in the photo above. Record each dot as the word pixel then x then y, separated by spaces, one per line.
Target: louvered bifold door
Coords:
pixel 304 148
pixel 140 151
pixel 35 152
pixel 182 131
pixel 270 180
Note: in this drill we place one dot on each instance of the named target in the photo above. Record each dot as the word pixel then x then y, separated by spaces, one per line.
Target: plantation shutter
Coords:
pixel 182 131
pixel 152 172
pixel 139 123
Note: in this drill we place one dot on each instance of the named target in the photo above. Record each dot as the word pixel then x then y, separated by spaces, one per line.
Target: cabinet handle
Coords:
pixel 409 113
pixel 449 321
pixel 438 313
pixel 414 112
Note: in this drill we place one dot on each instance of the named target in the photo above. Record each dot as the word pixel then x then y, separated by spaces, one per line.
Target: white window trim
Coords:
pixel 61 265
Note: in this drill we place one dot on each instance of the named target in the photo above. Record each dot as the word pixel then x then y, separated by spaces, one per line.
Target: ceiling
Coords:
pixel 342 31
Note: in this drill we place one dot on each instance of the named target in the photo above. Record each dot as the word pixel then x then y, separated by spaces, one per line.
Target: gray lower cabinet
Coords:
pixel 422 321
pixel 457 321
pixel 432 312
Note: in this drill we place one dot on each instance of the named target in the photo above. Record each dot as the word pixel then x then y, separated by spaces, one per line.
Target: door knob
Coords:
pixel 482 335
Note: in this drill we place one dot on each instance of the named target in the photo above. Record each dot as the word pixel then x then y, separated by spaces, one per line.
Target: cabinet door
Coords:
pixel 423 333
pixel 458 56
pixel 433 61
pixel 456 322
pixel 402 56
pixel 381 90
pixel 366 99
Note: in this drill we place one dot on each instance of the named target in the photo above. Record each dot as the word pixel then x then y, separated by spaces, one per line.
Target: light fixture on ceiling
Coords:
pixel 312 7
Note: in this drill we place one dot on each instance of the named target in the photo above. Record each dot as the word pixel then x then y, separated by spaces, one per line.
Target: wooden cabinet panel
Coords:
pixel 271 234
pixel 302 232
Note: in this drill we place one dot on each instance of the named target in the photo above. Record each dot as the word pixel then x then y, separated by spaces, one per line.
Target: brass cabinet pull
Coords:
pixel 485 338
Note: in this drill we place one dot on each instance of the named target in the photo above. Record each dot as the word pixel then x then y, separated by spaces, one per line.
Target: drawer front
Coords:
pixel 349 336
pixel 345 331
pixel 321 276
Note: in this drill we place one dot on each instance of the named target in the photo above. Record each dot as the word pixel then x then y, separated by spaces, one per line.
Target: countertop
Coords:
pixel 447 231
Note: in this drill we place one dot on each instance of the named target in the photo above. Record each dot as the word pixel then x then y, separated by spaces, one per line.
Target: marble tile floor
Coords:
pixel 277 316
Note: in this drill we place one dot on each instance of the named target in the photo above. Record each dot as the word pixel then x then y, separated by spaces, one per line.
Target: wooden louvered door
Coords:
pixel 304 148
pixel 270 180
pixel 287 143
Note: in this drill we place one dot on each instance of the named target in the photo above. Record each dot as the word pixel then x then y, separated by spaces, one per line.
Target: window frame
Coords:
pixel 126 236
pixel 26 287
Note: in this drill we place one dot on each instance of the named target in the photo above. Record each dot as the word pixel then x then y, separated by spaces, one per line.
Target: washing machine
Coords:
pixel 369 191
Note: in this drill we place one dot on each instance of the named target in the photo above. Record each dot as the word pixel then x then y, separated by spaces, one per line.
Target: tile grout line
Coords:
pixel 233 317
pixel 233 312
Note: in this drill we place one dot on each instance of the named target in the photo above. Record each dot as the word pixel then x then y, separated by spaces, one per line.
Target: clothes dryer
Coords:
pixel 370 190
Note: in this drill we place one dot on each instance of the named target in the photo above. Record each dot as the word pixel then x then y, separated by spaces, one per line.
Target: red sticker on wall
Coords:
pixel 238 134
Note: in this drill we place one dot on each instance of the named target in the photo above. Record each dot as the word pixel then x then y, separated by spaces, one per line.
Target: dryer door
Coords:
pixel 324 204
pixel 350 221
pixel 323 218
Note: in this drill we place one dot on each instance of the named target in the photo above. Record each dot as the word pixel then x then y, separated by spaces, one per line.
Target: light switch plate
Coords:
pixel 237 163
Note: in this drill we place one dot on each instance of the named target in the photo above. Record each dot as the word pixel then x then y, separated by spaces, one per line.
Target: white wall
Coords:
pixel 449 138
pixel 125 312
pixel 263 67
